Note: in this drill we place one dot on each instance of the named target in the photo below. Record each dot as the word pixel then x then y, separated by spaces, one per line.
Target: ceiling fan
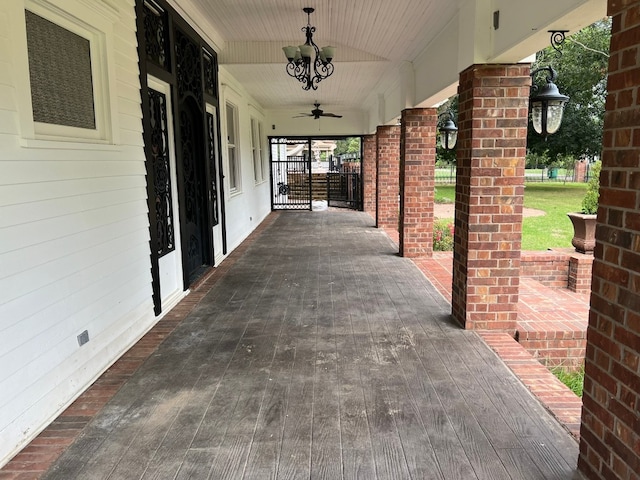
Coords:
pixel 316 113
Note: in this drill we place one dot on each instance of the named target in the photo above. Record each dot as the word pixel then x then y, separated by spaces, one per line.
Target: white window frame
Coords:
pixel 234 171
pixel 257 147
pixel 93 21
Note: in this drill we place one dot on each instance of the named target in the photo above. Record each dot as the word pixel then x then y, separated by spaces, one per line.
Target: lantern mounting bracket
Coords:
pixel 557 40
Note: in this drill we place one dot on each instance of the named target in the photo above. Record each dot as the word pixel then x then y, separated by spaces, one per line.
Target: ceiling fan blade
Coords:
pixel 303 115
pixel 331 115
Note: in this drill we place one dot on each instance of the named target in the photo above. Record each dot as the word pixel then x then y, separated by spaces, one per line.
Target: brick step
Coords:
pixel 552 324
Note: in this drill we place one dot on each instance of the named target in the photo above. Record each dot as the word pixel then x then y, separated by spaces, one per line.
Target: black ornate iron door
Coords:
pixel 192 159
pixel 185 194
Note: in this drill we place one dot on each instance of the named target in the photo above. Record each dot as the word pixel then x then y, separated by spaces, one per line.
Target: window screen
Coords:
pixel 60 74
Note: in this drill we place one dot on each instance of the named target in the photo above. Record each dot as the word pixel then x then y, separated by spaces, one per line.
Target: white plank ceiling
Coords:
pixel 372 39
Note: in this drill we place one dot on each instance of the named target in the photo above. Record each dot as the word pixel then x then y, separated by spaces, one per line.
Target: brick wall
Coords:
pixel 492 122
pixel 417 171
pixel 560 348
pixel 369 174
pixel 610 432
pixel 558 269
pixel 388 176
pixel 548 267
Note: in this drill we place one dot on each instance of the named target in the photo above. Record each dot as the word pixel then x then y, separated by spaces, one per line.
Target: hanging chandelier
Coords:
pixel 308 63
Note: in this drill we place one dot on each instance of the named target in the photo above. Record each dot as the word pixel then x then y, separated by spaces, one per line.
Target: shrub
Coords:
pixel 590 199
pixel 442 236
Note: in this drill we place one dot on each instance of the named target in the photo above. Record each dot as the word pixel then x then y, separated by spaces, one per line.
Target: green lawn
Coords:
pixel 550 230
pixel 573 380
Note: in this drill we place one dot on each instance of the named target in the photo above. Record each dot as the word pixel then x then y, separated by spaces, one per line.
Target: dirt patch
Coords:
pixel 446 210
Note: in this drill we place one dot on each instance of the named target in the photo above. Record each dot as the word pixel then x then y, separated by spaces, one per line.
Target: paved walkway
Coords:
pixel 319 354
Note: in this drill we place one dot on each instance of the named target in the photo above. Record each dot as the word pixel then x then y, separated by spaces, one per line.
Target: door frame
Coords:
pixel 168 21
pixel 308 139
pixel 168 301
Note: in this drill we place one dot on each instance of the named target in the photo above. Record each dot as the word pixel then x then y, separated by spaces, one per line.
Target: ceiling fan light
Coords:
pixel 290 52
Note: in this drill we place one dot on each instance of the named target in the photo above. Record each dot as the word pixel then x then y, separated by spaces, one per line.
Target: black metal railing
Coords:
pixel 344 189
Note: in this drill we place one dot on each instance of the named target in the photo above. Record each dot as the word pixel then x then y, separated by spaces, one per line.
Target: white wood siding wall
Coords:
pixel 247 208
pixel 74 252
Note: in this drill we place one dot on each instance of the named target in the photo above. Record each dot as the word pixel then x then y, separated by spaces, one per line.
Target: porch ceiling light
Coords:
pixel 308 63
pixel 448 132
pixel 547 104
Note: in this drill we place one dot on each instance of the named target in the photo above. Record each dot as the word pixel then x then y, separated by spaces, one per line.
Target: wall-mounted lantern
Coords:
pixel 448 132
pixel 547 104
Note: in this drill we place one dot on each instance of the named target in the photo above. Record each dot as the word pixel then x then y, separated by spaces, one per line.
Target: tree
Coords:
pixel 582 75
pixel 347 145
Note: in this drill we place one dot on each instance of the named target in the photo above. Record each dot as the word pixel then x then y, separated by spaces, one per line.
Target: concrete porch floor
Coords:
pixel 314 351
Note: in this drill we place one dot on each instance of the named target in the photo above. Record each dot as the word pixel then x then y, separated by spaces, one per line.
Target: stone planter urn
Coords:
pixel 584 231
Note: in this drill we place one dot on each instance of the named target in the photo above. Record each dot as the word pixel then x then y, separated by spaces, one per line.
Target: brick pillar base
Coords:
pixel 580 270
pixel 417 171
pixel 610 432
pixel 388 177
pixel 369 174
pixel 492 139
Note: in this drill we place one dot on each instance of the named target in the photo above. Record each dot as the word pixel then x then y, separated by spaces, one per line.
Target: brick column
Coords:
pixel 492 139
pixel 388 176
pixel 610 432
pixel 417 171
pixel 580 171
pixel 369 174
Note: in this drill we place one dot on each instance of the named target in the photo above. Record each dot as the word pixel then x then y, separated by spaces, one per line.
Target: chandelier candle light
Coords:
pixel 308 63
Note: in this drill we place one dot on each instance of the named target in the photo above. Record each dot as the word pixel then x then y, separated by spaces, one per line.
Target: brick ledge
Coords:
pixel 561 402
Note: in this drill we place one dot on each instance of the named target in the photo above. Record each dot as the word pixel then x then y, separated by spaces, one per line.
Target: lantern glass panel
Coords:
pixel 452 139
pixel 555 111
pixel 536 117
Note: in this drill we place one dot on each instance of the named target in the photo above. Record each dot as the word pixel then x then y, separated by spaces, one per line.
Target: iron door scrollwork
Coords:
pixel 161 172
pixel 189 68
pixel 192 150
pixel 156 34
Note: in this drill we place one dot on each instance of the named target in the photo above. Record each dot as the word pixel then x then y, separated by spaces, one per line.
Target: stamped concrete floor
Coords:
pixel 321 354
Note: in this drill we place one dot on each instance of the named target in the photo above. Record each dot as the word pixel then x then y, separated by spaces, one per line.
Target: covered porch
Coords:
pixel 320 353
pixel 310 354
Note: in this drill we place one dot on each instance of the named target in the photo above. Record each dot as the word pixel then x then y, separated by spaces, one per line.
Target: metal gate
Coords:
pixel 290 174
pixel 344 189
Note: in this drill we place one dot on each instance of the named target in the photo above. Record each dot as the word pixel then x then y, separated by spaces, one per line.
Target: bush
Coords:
pixel 442 236
pixel 590 199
